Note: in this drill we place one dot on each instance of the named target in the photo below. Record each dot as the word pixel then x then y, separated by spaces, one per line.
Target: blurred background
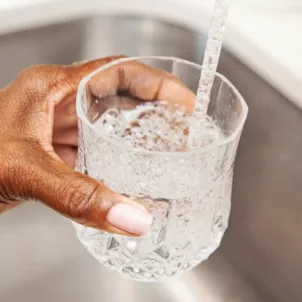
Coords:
pixel 260 257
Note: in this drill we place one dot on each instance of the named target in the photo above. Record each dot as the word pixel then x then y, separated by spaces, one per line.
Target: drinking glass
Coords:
pixel 188 193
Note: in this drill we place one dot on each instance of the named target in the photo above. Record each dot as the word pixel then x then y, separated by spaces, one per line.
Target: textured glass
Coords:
pixel 189 193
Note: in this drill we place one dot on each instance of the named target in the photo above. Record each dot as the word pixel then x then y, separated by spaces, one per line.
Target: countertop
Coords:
pixel 266 40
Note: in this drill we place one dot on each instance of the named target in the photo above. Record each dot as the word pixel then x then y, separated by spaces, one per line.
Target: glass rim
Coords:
pixel 119 144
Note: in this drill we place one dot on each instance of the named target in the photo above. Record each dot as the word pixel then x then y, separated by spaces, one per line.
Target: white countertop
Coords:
pixel 266 40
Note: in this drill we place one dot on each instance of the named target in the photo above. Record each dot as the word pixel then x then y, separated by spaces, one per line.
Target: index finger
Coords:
pixel 141 81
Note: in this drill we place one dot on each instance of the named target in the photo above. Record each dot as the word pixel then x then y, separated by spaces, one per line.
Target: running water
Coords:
pixel 211 57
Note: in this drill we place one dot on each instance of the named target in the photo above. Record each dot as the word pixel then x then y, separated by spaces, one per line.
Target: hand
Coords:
pixel 38 139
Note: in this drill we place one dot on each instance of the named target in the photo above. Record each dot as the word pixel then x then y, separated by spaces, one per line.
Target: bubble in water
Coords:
pixel 155 127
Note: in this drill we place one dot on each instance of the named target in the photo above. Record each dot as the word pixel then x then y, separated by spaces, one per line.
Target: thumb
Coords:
pixel 79 197
pixel 90 202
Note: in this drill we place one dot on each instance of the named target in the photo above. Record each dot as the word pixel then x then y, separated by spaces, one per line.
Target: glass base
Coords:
pixel 133 258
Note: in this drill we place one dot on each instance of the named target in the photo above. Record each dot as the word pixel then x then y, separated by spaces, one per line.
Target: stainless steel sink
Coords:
pixel 260 257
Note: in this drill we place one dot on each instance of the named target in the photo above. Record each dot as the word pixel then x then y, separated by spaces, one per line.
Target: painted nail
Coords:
pixel 129 219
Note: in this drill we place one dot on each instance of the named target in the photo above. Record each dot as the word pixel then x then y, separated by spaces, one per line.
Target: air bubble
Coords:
pixel 158 129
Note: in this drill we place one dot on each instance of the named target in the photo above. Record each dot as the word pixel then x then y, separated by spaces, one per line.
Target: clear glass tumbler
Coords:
pixel 188 193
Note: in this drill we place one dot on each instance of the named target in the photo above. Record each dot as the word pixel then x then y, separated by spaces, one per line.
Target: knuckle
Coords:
pixel 30 70
pixel 31 74
pixel 82 200
pixel 33 81
pixel 44 79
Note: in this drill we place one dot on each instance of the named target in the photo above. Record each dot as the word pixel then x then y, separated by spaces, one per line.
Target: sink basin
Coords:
pixel 260 256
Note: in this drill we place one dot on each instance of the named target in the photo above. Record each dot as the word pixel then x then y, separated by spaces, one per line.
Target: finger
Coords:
pixel 142 82
pixel 65 115
pixel 65 136
pixel 67 154
pixel 65 79
pixel 89 202
pixel 74 194
pixel 60 101
pixel 83 69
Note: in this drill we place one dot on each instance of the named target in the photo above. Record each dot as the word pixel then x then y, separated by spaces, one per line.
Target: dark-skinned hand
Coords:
pixel 39 139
